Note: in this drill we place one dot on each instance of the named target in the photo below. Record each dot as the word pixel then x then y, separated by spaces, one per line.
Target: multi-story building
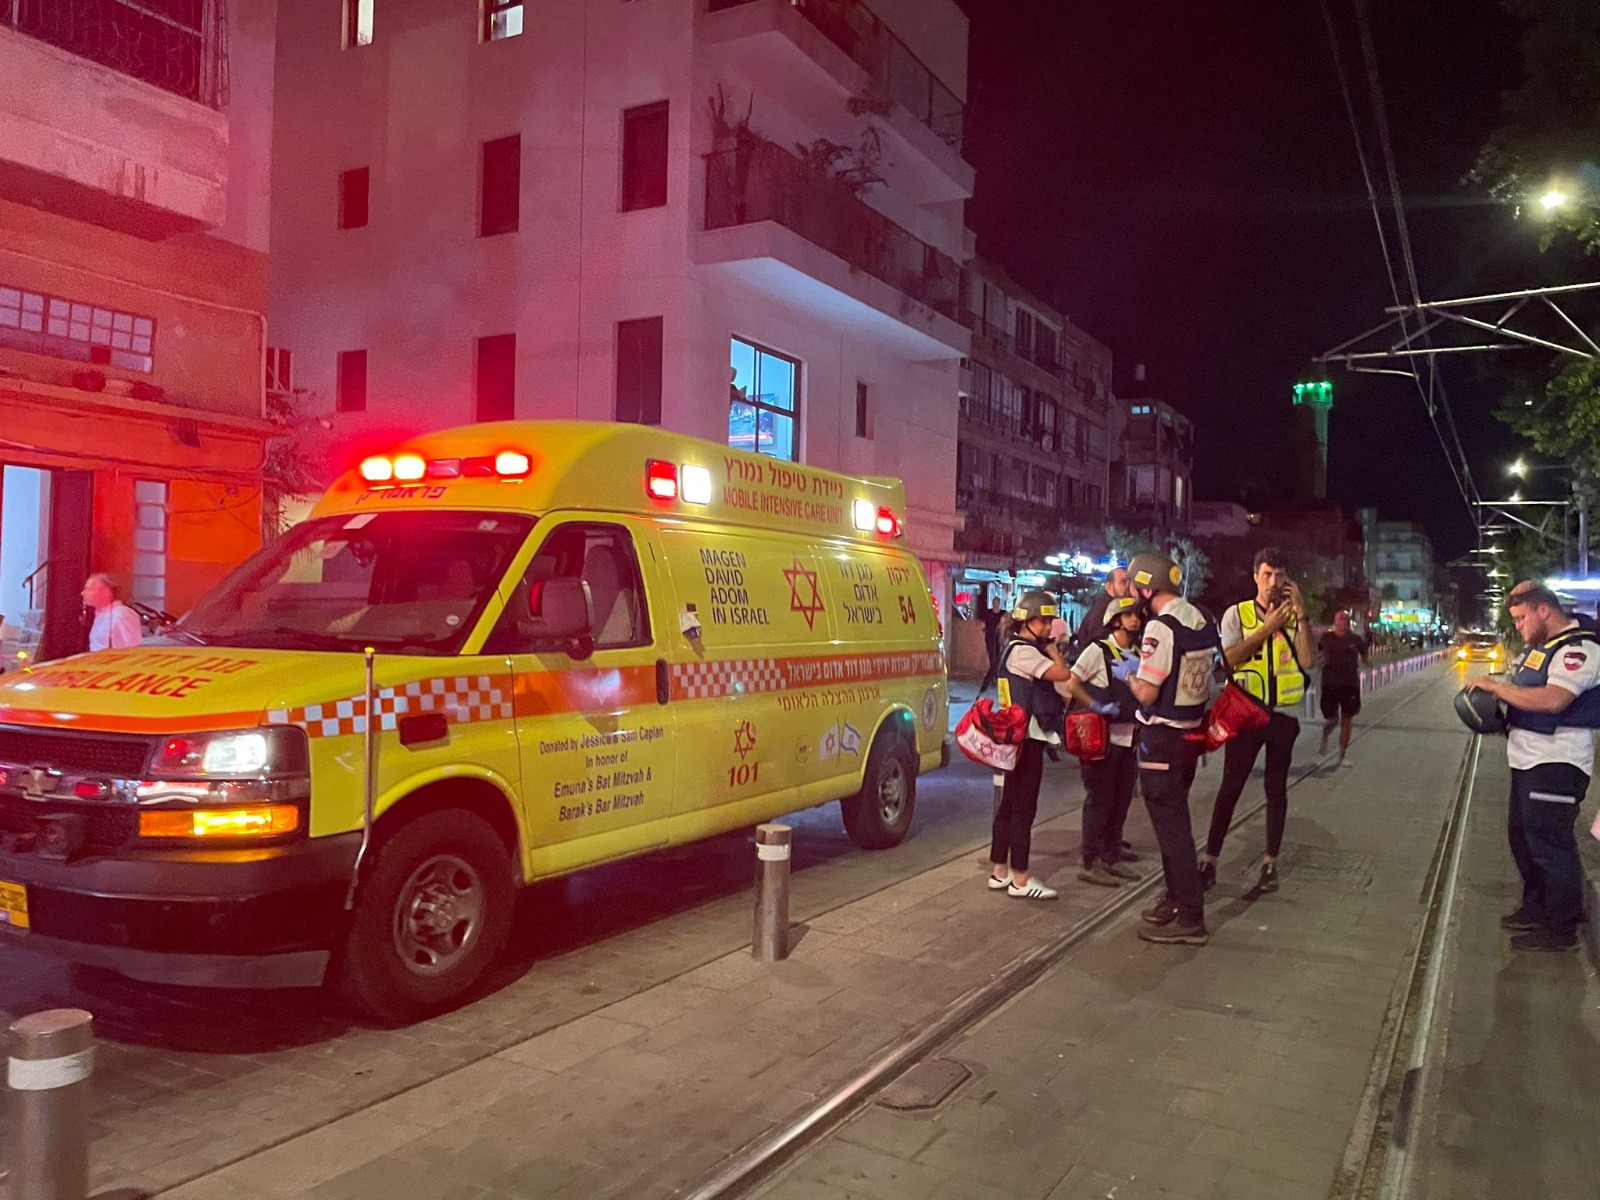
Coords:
pixel 739 219
pixel 1034 466
pixel 133 230
pixel 1152 483
pixel 1401 570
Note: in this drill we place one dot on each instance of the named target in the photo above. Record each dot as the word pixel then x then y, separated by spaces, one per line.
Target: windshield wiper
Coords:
pixel 413 639
pixel 178 631
pixel 312 641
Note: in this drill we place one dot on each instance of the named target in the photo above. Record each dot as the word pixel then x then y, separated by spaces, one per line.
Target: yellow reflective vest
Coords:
pixel 1272 674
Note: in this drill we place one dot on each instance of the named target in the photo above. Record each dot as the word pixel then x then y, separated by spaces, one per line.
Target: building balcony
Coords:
pixel 806 240
pixel 828 62
pixel 108 114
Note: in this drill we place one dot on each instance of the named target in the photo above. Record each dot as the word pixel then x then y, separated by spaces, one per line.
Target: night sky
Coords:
pixel 1181 179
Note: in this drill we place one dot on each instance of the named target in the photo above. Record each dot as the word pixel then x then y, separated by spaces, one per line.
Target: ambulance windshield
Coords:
pixel 401 582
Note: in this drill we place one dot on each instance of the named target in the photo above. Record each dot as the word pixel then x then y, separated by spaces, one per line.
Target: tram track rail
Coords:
pixel 753 1165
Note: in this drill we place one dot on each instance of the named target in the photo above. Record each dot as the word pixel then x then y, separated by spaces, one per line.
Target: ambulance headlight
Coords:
pixel 235 754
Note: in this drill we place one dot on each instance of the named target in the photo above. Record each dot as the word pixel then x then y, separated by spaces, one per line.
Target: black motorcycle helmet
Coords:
pixel 1480 711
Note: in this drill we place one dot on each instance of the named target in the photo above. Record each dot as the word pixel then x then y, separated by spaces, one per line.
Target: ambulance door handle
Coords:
pixel 663 682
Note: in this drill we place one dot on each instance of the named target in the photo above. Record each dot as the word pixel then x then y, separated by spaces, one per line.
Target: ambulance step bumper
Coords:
pixel 303 968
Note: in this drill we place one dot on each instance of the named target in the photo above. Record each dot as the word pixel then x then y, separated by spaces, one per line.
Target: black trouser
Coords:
pixel 1167 760
pixel 1544 807
pixel 1108 785
pixel 1238 760
pixel 1019 804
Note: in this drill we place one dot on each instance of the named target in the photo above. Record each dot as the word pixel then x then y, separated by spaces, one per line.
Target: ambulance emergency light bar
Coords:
pixel 380 470
pixel 692 484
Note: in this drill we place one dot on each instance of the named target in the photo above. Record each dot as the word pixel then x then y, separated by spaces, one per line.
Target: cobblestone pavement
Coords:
pixel 189 1080
pixel 642 1094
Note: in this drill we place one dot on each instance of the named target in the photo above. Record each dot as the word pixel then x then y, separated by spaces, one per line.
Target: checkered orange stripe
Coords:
pixel 463 699
pixel 745 676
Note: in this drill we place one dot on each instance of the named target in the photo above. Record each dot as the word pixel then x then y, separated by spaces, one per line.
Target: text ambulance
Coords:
pixel 588 641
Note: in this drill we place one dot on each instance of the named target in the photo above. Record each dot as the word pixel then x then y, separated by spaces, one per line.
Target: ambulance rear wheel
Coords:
pixel 432 914
pixel 879 815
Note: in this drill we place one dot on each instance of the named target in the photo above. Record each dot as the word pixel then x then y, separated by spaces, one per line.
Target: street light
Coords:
pixel 1518 468
pixel 1553 199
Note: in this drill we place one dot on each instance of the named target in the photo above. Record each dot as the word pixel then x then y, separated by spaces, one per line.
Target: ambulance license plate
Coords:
pixel 13 905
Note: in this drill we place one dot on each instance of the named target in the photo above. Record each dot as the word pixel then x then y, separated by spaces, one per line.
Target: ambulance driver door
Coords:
pixel 595 740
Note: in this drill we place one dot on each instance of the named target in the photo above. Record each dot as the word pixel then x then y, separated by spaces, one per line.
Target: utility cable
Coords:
pixel 1448 441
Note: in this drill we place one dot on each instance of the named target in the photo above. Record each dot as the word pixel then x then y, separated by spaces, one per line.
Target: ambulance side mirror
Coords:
pixel 561 607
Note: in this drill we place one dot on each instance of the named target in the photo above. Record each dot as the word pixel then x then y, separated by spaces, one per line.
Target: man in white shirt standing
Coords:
pixel 116 626
pixel 1553 698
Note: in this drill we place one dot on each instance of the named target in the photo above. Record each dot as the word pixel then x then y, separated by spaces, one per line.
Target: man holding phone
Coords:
pixel 1267 640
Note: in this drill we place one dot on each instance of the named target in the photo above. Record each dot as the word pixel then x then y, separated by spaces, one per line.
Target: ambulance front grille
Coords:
pixel 109 755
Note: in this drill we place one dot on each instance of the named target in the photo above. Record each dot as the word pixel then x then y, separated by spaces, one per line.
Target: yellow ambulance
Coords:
pixel 497 654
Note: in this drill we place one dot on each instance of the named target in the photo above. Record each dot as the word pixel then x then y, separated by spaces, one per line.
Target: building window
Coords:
pixel 354 192
pixel 280 370
pixel 350 387
pixel 1024 333
pixel 60 328
pixel 500 186
pixel 863 411
pixel 644 157
pixel 639 370
pixel 149 585
pixel 765 402
pixel 497 377
pixel 501 19
pixel 357 23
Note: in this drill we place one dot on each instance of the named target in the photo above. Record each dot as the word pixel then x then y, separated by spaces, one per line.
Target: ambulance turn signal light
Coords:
pixel 408 468
pixel 661 480
pixel 377 469
pixel 220 824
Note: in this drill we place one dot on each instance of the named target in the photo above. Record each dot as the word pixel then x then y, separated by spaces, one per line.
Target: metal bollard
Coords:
pixel 51 1057
pixel 770 942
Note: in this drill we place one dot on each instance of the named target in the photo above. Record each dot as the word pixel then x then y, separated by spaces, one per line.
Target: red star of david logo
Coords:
pixel 744 739
pixel 804 598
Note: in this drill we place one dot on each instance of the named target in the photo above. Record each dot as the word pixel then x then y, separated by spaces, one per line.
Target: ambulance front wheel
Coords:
pixel 431 916
pixel 879 815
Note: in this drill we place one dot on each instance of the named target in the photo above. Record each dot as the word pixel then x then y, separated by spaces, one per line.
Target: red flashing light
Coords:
pixel 661 480
pixel 377 469
pixel 408 468
pixel 888 523
pixel 512 464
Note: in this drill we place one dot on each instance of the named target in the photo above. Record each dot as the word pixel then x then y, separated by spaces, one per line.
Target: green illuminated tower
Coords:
pixel 1313 402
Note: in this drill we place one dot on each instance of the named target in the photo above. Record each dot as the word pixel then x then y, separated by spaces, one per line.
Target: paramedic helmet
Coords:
pixel 1480 711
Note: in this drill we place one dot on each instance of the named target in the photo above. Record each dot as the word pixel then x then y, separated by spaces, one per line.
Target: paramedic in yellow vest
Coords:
pixel 1269 646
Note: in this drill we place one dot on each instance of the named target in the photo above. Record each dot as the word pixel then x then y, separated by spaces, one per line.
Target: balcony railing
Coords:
pixel 873 46
pixel 176 45
pixel 757 180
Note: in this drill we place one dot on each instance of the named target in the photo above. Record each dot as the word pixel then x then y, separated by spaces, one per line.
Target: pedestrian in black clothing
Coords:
pixel 1343 653
pixel 992 617
pixel 1094 621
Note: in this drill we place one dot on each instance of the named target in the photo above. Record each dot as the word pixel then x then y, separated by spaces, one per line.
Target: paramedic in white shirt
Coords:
pixel 116 626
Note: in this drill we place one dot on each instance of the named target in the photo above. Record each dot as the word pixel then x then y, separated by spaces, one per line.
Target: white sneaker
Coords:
pixel 996 885
pixel 1032 890
pixel 1345 762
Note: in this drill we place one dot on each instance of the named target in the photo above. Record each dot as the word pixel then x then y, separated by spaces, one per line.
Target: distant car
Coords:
pixel 1480 647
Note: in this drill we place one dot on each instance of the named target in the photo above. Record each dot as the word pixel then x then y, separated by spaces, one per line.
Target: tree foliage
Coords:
pixel 296 463
pixel 1563 421
pixel 1550 128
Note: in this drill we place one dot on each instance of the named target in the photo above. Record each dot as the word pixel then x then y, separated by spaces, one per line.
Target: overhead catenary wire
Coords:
pixel 1431 393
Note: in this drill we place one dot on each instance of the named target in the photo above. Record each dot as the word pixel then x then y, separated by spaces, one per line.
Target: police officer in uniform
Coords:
pixel 1553 703
pixel 1267 640
pixel 1172 683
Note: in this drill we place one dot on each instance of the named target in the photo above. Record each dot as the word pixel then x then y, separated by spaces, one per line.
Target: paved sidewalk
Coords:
pixel 1514 1113
pixel 1230 1071
pixel 645 1094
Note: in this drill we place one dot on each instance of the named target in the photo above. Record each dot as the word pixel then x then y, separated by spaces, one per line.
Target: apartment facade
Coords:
pixel 1400 568
pixel 1153 480
pixel 133 284
pixel 738 219
pixel 1033 473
